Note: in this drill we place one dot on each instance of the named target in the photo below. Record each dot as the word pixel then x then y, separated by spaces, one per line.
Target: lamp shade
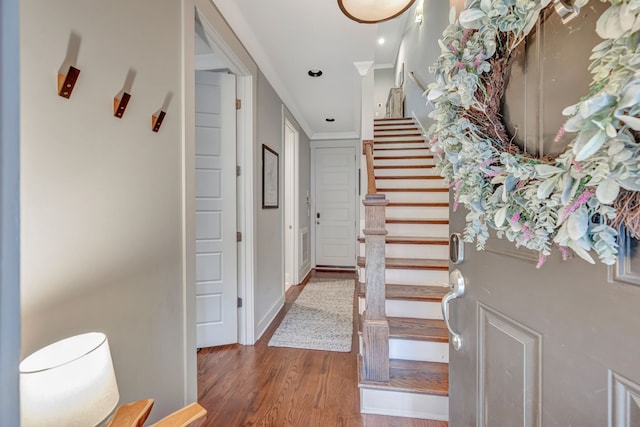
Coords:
pixel 68 383
pixel 372 11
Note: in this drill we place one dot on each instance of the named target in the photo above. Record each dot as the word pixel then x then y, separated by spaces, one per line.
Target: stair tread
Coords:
pixel 414 190
pixel 427 293
pixel 418 329
pixel 393 119
pixel 412 240
pixel 411 328
pixel 414 377
pixel 439 221
pixel 412 263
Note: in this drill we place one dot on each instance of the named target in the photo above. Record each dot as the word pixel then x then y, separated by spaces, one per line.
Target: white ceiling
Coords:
pixel 287 38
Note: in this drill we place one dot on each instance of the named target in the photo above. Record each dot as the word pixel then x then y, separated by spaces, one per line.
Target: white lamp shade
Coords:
pixel 68 383
pixel 372 11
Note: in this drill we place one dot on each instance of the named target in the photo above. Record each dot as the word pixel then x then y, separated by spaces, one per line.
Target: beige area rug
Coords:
pixel 321 318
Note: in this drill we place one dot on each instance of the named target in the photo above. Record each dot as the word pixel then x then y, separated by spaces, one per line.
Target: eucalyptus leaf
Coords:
pixel 632 184
pixel 608 26
pixel 615 147
pixel 577 224
pixel 632 122
pixel 594 105
pixel 545 189
pixel 580 252
pixel 607 191
pixel 500 216
pixel 630 97
pixel 567 186
pixel 622 156
pixel 588 143
pixel 546 169
pixel 472 18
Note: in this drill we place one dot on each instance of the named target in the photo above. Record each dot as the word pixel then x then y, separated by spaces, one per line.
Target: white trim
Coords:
pixel 291 205
pixel 10 213
pixel 188 204
pixel 335 135
pixel 404 404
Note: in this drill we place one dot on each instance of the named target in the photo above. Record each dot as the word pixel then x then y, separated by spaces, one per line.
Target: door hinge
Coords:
pixel 239 302
pixel 238 104
pixel 238 170
pixel 238 236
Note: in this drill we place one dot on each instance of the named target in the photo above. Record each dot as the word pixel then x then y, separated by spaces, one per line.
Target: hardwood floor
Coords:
pixel 272 386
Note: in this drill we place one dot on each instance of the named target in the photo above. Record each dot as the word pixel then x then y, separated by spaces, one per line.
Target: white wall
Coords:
pixel 384 80
pixel 101 196
pixel 418 51
pixel 9 214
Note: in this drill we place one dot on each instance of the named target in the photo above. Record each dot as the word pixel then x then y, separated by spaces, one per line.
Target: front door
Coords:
pixel 335 216
pixel 556 346
pixel 216 252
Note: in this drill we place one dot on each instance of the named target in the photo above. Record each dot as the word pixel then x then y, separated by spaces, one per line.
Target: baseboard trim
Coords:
pixel 307 277
pixel 268 318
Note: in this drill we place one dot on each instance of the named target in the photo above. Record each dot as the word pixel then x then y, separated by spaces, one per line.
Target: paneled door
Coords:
pixel 216 252
pixel 335 215
pixel 558 346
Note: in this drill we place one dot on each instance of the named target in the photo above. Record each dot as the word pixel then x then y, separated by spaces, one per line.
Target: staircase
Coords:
pixel 415 271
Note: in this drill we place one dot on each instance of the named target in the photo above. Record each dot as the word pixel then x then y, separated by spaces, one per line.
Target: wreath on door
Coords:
pixel 576 200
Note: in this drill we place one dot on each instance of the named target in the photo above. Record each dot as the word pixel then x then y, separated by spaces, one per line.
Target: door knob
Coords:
pixel 456 286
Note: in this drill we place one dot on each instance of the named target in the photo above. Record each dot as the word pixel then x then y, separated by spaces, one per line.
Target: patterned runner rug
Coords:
pixel 321 318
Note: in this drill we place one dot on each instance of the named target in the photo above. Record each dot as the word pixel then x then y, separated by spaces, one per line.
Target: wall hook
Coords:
pixel 120 104
pixel 67 82
pixel 156 120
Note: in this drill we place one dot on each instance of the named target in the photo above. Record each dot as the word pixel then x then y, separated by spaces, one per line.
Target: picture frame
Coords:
pixel 270 178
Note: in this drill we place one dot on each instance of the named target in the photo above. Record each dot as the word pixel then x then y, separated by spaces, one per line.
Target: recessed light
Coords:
pixel 330 119
pixel 381 40
pixel 315 72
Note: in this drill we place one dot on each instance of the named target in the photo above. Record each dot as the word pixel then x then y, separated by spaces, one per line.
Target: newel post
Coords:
pixel 375 328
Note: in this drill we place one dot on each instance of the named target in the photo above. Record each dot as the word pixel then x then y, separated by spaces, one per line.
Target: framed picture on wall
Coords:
pixel 270 190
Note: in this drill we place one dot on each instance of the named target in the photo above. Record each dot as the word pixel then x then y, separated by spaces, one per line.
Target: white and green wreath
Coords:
pixel 571 201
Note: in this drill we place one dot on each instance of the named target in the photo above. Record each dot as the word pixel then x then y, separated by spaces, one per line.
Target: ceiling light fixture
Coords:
pixel 314 72
pixel 381 40
pixel 330 119
pixel 372 11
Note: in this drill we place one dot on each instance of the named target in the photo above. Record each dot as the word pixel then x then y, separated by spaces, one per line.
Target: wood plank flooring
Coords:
pixel 273 387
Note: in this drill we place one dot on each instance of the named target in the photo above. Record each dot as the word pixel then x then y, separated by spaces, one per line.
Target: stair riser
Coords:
pixel 422 351
pixel 418 212
pixel 416 196
pixel 418 230
pixel 402 250
pixel 395 151
pixel 397 133
pixel 410 183
pixel 402 162
pixel 413 251
pixel 412 277
pixel 402 404
pixel 406 308
pixel 382 149
pixel 406 172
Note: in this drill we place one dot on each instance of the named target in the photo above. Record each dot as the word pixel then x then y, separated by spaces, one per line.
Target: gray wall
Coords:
pixel 102 197
pixel 384 79
pixel 9 214
pixel 418 51
pixel 269 286
pixel 304 190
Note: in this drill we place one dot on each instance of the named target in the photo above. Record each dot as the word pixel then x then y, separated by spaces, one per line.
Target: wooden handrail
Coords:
pixel 417 82
pixel 371 179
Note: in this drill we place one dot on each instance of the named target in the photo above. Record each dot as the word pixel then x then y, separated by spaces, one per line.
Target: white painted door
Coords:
pixel 216 255
pixel 335 216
